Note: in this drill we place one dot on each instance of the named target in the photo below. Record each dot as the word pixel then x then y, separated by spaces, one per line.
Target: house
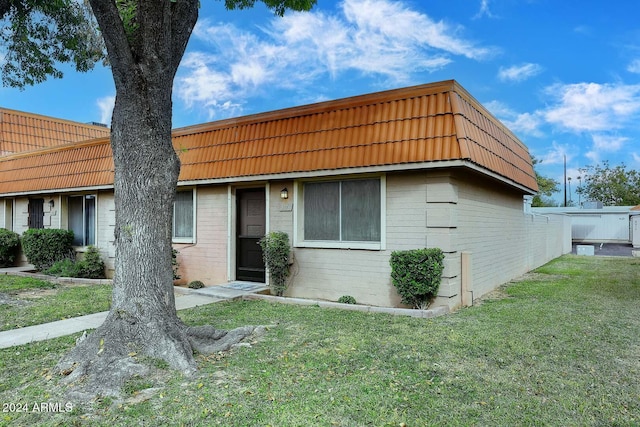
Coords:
pixel 349 180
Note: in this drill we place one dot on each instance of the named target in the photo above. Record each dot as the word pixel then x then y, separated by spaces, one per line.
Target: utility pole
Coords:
pixel 565 180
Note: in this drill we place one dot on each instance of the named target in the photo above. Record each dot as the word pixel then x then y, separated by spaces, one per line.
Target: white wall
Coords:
pixel 610 224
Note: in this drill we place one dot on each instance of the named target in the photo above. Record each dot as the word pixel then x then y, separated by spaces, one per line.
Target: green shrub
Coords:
pixel 416 274
pixel 43 247
pixel 63 268
pixel 9 247
pixel 90 267
pixel 196 284
pixel 276 251
pixel 347 299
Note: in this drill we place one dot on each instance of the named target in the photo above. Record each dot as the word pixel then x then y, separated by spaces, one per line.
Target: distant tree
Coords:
pixel 611 185
pixel 546 188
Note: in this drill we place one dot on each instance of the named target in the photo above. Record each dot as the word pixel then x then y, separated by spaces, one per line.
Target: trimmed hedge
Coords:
pixel 9 247
pixel 417 274
pixel 43 247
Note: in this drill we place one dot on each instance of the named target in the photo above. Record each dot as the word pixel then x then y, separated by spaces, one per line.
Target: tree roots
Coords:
pixel 102 362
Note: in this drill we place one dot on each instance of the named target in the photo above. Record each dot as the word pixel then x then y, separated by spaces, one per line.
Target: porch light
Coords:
pixel 51 203
pixel 284 194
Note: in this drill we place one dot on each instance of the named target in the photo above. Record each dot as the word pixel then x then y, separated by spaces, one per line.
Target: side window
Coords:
pixel 82 219
pixel 183 216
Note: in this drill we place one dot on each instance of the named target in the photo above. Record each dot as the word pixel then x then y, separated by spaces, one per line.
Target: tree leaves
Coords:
pixel 41 34
pixel 278 6
pixel 613 186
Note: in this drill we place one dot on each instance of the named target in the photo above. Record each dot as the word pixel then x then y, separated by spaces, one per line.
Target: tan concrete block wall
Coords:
pixel 105 228
pixel 329 274
pixel 21 213
pixel 281 211
pixel 206 260
pixel 504 241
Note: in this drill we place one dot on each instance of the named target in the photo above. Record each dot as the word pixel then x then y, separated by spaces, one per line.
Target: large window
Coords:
pixel 82 219
pixel 342 211
pixel 183 216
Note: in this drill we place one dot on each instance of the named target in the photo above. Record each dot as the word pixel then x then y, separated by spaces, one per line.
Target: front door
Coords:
pixel 36 213
pixel 250 229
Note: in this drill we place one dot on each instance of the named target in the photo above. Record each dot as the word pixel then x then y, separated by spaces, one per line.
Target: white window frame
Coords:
pixel 298 217
pixel 95 218
pixel 191 239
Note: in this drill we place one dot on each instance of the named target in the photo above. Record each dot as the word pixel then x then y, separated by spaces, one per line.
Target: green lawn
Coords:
pixel 26 301
pixel 560 348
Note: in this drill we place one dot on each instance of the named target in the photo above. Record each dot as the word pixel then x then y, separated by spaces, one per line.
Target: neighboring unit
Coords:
pixel 350 181
pixel 601 224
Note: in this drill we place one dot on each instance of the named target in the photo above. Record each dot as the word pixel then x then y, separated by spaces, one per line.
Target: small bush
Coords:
pixel 416 274
pixel 347 299
pixel 196 284
pixel 43 247
pixel 91 267
pixel 63 268
pixel 9 247
pixel 276 251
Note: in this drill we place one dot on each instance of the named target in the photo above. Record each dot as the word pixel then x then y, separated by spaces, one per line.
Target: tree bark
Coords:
pixel 143 319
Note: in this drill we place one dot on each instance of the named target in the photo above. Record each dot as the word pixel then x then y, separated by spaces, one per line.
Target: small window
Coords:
pixel 183 216
pixel 342 211
pixel 82 219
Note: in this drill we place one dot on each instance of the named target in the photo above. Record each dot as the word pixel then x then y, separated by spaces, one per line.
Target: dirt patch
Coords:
pixel 6 299
pixel 37 293
pixel 495 295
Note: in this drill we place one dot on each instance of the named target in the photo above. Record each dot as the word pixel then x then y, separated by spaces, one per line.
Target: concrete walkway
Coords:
pixel 185 298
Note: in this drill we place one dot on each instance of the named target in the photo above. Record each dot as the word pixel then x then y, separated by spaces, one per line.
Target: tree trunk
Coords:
pixel 143 319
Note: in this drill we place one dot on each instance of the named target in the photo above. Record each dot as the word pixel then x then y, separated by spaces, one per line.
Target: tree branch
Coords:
pixel 115 39
pixel 183 20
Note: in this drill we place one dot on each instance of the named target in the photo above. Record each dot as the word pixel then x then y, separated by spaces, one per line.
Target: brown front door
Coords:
pixel 250 229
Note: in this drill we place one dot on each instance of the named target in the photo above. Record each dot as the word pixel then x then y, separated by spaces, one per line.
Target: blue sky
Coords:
pixel 564 76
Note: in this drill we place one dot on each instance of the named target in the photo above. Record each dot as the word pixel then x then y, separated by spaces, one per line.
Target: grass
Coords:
pixel 32 301
pixel 558 348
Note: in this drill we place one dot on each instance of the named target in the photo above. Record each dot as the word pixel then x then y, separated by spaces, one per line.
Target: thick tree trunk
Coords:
pixel 143 319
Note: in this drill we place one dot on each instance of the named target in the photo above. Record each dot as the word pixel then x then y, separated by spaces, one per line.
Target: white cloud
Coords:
pixel 518 73
pixel 608 143
pixel 484 10
pixel 555 155
pixel 528 123
pixel 372 37
pixel 636 158
pixel 105 105
pixel 634 66
pixel 593 107
pixel 605 144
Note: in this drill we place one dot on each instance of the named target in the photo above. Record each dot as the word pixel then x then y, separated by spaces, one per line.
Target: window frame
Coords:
pixel 84 219
pixel 298 216
pixel 191 239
